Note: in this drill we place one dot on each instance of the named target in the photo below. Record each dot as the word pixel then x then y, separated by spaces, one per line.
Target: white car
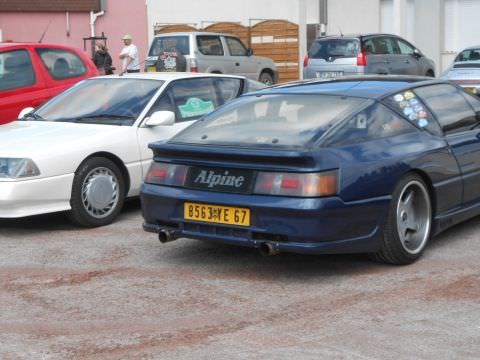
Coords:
pixel 465 70
pixel 86 150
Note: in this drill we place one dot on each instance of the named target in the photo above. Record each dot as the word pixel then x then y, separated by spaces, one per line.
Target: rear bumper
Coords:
pixel 325 225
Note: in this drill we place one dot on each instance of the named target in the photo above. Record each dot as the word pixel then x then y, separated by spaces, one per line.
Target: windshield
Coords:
pixel 111 101
pixel 270 120
pixel 170 43
pixel 331 49
pixel 468 55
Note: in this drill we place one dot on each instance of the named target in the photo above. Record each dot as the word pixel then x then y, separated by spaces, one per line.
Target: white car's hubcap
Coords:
pixel 100 192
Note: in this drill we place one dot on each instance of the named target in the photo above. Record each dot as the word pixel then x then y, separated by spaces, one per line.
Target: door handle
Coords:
pixel 407 62
pixel 237 64
pixel 387 62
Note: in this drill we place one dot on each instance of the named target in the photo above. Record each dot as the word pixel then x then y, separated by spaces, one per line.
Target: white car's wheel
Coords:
pixel 98 193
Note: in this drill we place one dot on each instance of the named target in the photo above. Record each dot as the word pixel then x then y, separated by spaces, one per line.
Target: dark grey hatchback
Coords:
pixel 384 54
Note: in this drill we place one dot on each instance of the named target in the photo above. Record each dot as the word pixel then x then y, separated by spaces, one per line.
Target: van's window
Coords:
pixel 170 43
pixel 210 45
pixel 405 48
pixel 331 49
pixel 16 70
pixel 236 47
pixel 62 64
pixel 385 46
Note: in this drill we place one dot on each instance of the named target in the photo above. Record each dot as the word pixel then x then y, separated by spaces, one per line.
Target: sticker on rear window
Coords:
pixel 196 107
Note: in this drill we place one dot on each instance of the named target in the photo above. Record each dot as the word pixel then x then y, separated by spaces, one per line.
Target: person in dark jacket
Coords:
pixel 102 59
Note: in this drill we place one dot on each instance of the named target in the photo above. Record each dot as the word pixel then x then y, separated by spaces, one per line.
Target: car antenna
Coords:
pixel 45 32
pixel 340 29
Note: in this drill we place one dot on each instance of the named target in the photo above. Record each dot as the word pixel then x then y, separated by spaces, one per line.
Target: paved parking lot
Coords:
pixel 117 293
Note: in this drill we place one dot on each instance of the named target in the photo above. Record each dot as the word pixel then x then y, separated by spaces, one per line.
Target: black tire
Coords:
pixel 94 180
pixel 394 250
pixel 430 73
pixel 266 78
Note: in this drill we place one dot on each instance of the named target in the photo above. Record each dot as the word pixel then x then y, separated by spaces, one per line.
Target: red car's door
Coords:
pixel 22 83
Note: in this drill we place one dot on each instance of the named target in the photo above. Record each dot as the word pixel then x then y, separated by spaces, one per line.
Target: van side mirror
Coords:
pixel 249 52
pixel 160 118
pixel 25 112
pixel 417 53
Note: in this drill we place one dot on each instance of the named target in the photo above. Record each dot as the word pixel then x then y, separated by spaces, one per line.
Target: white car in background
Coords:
pixel 86 150
pixel 465 70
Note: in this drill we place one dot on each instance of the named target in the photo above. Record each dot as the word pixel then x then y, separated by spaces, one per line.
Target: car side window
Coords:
pixel 383 46
pixel 405 48
pixel 227 89
pixel 369 46
pixel 376 121
pixel 62 64
pixel 408 104
pixel 236 47
pixel 455 114
pixel 16 70
pixel 473 100
pixel 210 45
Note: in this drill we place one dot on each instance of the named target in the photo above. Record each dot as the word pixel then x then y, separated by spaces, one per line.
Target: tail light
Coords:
pixel 294 184
pixel 362 59
pixel 193 65
pixel 306 59
pixel 166 174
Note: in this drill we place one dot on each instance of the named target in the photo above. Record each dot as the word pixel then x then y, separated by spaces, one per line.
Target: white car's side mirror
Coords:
pixel 25 112
pixel 161 118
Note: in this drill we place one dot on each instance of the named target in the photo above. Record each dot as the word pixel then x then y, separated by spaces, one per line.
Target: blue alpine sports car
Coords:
pixel 354 165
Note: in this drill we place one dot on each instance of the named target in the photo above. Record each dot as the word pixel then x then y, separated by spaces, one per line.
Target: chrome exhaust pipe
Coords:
pixel 165 236
pixel 267 249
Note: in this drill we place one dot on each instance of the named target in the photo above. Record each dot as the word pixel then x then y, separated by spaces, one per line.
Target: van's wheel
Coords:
pixel 409 223
pixel 266 78
pixel 98 193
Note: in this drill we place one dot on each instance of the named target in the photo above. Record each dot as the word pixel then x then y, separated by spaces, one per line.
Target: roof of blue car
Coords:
pixel 358 86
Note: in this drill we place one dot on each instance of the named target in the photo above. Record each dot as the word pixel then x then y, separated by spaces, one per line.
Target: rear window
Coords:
pixel 271 120
pixel 331 49
pixel 170 43
pixel 468 55
pixel 62 64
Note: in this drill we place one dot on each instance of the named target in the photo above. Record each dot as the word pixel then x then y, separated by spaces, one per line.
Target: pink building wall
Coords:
pixel 121 17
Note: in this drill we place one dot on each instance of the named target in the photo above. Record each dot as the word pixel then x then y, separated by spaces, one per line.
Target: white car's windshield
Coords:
pixel 112 101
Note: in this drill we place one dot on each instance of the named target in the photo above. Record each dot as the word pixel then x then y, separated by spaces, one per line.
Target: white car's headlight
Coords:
pixel 17 168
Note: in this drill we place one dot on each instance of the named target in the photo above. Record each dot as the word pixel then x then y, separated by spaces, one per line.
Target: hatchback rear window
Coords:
pixel 271 120
pixel 170 43
pixel 331 49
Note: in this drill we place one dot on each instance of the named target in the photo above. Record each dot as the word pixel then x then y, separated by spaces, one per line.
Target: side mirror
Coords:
pixel 417 53
pixel 161 118
pixel 249 52
pixel 25 112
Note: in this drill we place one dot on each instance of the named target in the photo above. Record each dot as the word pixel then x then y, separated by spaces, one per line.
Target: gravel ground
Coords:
pixel 117 293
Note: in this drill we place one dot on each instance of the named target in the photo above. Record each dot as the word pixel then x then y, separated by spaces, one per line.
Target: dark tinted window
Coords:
pixel 170 44
pixel 210 45
pixel 376 121
pixel 368 46
pixel 282 120
pixel 405 48
pixel 384 46
pixel 16 70
pixel 468 55
pixel 62 64
pixel 412 107
pixel 331 49
pixel 236 47
pixel 449 106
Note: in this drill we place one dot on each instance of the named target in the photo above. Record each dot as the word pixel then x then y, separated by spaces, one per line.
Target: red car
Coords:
pixel 30 74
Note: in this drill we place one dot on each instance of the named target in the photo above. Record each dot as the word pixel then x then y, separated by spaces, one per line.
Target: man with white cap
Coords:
pixel 129 56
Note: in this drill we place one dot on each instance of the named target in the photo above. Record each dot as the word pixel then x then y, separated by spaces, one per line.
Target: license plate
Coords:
pixel 470 90
pixel 329 74
pixel 151 69
pixel 216 214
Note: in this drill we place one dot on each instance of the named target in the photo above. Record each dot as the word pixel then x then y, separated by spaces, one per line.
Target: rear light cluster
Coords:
pixel 362 59
pixel 306 60
pixel 299 185
pixel 193 65
pixel 266 183
pixel 166 174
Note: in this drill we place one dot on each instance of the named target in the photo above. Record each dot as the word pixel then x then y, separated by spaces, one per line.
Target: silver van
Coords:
pixel 210 53
pixel 334 56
